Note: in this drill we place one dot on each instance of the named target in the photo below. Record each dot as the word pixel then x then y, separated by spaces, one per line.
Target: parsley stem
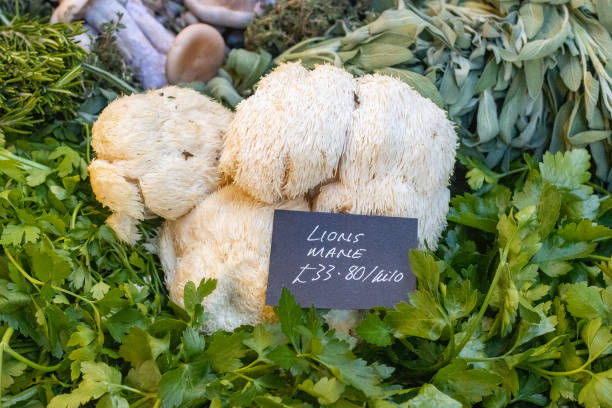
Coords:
pixel 519 170
pixel 578 370
pixel 30 363
pixel 598 188
pixel 485 304
pixel 74 215
pixel 6 348
pixel 6 155
pixel 37 283
pixel 88 142
pixel 136 391
pixel 246 367
pixel 599 258
pixel 244 377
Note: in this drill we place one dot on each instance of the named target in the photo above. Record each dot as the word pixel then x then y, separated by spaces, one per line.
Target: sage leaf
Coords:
pixel 513 104
pixel 560 124
pixel 488 126
pixel 604 13
pixel 533 18
pixel 534 75
pixel 591 95
pixel 555 34
pixel 379 55
pixel 488 78
pixel 420 83
pixel 465 95
pixel 590 136
pixel 571 72
pixel 448 88
pixel 598 152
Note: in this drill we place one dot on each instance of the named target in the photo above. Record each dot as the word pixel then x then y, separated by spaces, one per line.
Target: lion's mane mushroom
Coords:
pixel 226 13
pixel 226 237
pixel 157 154
pixel 288 137
pixel 195 55
pixel 398 159
pixel 369 146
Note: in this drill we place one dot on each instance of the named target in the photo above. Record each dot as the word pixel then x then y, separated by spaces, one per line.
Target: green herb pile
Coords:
pixel 40 67
pixel 515 75
pixel 288 22
pixel 514 309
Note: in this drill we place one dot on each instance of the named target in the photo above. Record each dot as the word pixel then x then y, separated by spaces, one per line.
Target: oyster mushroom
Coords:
pixel 155 32
pixel 196 54
pixel 227 13
pixel 140 54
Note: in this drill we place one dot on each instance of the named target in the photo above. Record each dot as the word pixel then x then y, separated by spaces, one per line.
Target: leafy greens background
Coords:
pixel 514 309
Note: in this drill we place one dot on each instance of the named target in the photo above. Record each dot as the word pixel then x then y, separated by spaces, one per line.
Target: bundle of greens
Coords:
pixel 41 70
pixel 287 22
pixel 515 75
pixel 515 308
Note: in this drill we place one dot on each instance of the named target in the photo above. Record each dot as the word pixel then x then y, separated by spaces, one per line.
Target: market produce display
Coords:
pixel 157 155
pixel 513 308
pixel 516 76
pixel 342 150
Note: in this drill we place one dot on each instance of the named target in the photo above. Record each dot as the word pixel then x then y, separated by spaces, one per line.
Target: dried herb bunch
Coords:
pixel 41 71
pixel 288 22
pixel 515 75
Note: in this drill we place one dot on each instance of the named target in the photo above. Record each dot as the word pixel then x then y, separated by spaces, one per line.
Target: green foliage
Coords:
pixel 288 22
pixel 515 75
pixel 41 71
pixel 33 8
pixel 514 309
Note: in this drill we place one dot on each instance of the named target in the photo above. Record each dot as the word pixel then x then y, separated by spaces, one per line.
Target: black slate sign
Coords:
pixel 341 261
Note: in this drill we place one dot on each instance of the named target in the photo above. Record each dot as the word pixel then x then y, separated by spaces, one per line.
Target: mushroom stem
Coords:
pixel 156 33
pixel 148 64
pixel 233 14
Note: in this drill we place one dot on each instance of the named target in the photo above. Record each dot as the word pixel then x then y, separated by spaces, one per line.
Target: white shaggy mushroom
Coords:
pixel 390 199
pixel 398 158
pixel 226 237
pixel 288 137
pixel 399 135
pixel 157 154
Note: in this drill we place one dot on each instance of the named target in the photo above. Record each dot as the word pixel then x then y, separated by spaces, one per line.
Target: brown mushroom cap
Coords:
pixel 196 54
pixel 227 13
pixel 69 10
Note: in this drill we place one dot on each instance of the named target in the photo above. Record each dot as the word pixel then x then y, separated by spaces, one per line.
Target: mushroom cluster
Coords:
pixel 154 54
pixel 157 155
pixel 316 140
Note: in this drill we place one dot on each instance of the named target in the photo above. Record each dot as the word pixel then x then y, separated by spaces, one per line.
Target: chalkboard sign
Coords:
pixel 341 261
